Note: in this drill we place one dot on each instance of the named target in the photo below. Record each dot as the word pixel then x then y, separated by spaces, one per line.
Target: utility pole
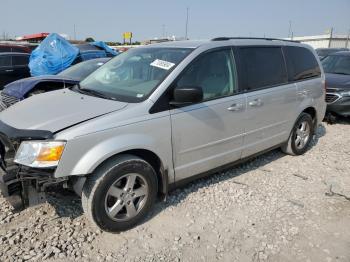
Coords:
pixel 186 34
pixel 163 30
pixel 347 40
pixel 330 37
pixel 75 33
pixel 290 29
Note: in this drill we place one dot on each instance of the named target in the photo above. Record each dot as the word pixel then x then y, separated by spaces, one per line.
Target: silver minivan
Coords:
pixel 157 116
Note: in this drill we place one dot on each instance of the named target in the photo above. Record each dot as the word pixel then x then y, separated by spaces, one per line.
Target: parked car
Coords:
pixel 323 52
pixel 337 69
pixel 157 116
pixel 13 66
pixel 26 87
pixel 14 48
pixel 89 51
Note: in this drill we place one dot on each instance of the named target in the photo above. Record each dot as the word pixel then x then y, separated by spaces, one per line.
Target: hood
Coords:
pixel 22 87
pixel 338 81
pixel 57 110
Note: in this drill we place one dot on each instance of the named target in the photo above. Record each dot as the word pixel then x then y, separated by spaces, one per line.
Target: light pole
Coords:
pixel 186 34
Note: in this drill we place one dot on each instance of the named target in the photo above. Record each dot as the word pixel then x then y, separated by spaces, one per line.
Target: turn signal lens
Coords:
pixel 50 153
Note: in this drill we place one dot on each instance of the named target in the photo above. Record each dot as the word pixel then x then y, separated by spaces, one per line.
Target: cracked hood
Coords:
pixel 57 110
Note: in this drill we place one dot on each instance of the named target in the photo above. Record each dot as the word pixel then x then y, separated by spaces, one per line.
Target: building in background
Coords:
pixel 36 38
pixel 325 41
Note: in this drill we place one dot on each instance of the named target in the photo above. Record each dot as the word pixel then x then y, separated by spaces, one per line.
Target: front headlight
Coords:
pixel 39 153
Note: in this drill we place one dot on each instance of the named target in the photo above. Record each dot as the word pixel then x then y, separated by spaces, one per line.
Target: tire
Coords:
pixel 120 193
pixel 298 146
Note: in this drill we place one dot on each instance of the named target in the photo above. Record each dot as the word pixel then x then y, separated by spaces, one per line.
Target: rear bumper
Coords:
pixel 340 107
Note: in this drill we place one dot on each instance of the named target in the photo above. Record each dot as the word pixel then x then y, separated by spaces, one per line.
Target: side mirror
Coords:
pixel 186 95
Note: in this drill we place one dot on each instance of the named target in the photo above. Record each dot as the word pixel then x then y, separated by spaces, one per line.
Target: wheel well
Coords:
pixel 311 111
pixel 153 160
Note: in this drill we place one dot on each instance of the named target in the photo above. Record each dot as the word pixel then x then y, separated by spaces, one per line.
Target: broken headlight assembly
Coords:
pixel 40 154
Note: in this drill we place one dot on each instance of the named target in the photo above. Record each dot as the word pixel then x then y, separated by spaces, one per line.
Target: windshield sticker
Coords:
pixel 139 95
pixel 162 64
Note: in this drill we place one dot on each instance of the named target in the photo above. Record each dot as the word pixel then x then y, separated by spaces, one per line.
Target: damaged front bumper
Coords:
pixel 27 187
pixel 22 186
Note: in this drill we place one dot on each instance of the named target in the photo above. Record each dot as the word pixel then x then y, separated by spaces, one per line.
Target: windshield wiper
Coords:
pixel 93 92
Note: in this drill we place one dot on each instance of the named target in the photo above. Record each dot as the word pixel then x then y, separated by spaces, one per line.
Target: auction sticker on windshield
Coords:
pixel 162 64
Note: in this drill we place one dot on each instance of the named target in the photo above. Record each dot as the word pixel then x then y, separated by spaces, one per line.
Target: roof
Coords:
pixel 34 36
pixel 14 53
pixel 218 41
pixel 181 44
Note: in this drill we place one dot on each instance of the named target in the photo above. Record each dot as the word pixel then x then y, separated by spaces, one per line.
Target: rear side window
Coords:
pixel 5 61
pixel 20 60
pixel 263 67
pixel 301 63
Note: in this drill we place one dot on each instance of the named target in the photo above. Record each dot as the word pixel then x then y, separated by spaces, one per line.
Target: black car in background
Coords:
pixel 23 88
pixel 13 66
pixel 5 47
pixel 337 69
pixel 323 52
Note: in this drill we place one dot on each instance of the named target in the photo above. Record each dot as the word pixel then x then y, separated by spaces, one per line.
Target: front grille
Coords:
pixel 332 97
pixel 7 101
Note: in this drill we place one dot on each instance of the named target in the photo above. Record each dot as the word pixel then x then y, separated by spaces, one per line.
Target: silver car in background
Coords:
pixel 157 116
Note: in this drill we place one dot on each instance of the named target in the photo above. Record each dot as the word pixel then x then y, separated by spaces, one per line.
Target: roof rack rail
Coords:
pixel 254 38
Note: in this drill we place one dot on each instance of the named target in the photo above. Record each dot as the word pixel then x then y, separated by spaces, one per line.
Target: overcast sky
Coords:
pixel 108 19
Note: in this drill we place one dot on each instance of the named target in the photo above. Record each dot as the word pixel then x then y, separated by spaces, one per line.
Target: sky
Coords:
pixel 106 20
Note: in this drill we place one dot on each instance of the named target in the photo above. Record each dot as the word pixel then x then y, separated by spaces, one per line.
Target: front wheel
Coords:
pixel 301 136
pixel 120 194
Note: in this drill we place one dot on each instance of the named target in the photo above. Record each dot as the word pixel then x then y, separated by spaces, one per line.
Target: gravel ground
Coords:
pixel 273 208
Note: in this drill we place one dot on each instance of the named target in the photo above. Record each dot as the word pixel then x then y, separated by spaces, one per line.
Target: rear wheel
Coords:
pixel 120 194
pixel 301 136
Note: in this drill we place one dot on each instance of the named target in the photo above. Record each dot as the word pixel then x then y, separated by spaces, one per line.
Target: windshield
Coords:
pixel 83 69
pixel 133 75
pixel 337 64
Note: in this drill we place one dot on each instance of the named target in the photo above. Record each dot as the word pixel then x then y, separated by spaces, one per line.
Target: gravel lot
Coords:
pixel 273 208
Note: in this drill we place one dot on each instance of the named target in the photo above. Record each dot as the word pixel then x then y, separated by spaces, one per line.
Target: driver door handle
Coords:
pixel 256 102
pixel 235 107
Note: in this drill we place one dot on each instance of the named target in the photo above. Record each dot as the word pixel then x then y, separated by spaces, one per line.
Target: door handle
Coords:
pixel 9 70
pixel 256 102
pixel 235 107
pixel 303 93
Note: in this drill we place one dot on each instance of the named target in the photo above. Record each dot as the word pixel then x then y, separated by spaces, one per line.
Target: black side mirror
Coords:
pixel 186 95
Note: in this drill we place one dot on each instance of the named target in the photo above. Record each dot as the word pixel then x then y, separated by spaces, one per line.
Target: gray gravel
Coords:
pixel 273 208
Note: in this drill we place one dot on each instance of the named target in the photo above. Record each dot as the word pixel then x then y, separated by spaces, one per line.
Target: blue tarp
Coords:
pixel 52 56
pixel 105 47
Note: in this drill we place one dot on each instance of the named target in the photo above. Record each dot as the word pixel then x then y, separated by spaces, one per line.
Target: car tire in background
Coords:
pixel 120 193
pixel 301 136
